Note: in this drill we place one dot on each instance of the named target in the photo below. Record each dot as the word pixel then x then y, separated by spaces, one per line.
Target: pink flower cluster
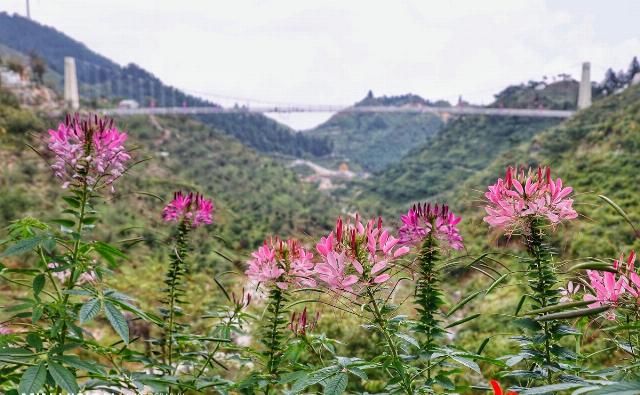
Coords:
pixel 357 255
pixel 609 287
pixel 520 197
pixel 352 255
pixel 424 220
pixel 194 209
pixel 63 275
pixel 283 264
pixel 91 149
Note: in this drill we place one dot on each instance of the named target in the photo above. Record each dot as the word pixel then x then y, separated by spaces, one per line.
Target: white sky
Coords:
pixel 333 52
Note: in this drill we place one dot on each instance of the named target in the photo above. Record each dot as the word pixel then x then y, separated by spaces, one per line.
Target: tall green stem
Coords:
pixel 273 335
pixel 542 281
pixel 84 199
pixel 176 271
pixel 397 363
pixel 429 298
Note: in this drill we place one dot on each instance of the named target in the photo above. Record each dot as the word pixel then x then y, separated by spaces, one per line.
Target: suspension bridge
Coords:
pixel 147 95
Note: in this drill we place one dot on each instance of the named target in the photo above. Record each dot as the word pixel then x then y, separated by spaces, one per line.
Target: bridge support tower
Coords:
pixel 584 93
pixel 71 96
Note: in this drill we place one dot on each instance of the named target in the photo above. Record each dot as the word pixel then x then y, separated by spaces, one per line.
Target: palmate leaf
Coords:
pixel 117 321
pixel 24 245
pixel 466 362
pixel 63 377
pixel 335 385
pixel 314 378
pixel 38 284
pixel 89 310
pixel 33 379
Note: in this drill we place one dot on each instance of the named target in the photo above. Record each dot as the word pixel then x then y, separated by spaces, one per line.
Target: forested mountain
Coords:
pixel 99 76
pixel 376 140
pixel 463 147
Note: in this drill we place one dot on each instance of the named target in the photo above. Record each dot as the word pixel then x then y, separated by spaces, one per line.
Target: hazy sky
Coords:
pixel 333 52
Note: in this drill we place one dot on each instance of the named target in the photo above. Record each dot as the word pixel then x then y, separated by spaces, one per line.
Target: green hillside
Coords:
pixel 463 147
pixel 186 154
pixel 374 141
pixel 597 152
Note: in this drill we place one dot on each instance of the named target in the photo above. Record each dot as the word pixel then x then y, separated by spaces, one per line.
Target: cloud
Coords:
pixel 332 52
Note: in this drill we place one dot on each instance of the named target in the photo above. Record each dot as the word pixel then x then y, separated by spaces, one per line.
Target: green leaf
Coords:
pixel 483 345
pixel 67 223
pixel 573 314
pixel 36 313
pixel 89 310
pixel 527 323
pixel 33 379
pixel 314 378
pixel 72 201
pixel 523 298
pixel 34 341
pixel 117 321
pixel 462 321
pixel 78 363
pixel 24 245
pixel 462 303
pixel 408 339
pixel 90 220
pixel 467 362
pixel 63 377
pixel 38 284
pixel 336 385
pixel 550 389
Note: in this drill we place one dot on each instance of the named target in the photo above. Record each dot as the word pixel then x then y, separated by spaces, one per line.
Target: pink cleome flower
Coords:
pixel 189 207
pixel 424 220
pixel 514 201
pixel 357 254
pixel 283 264
pixel 90 148
pixel 608 290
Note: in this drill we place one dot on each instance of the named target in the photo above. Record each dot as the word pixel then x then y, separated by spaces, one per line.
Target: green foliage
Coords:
pixel 463 147
pixel 266 135
pixel 374 141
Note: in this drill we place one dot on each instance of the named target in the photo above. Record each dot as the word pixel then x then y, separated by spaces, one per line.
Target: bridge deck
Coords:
pixel 509 112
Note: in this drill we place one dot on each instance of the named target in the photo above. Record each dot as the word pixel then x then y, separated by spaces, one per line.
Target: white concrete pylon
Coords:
pixel 584 92
pixel 71 96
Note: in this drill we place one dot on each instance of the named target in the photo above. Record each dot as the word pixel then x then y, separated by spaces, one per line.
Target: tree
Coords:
pixel 38 67
pixel 634 68
pixel 610 83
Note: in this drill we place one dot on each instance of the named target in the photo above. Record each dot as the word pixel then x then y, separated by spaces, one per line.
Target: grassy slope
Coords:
pixel 463 147
pixel 374 141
